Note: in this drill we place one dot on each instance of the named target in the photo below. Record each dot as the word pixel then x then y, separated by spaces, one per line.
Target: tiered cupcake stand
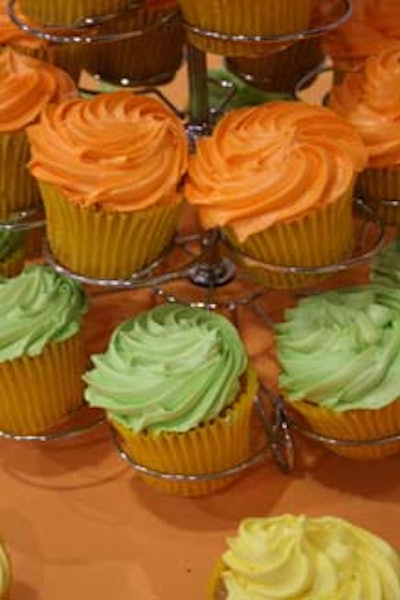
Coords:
pixel 209 266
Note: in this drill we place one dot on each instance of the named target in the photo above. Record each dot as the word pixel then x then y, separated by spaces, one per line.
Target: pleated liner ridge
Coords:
pixel 376 186
pixel 212 447
pixel 109 245
pixel 37 393
pixel 67 12
pixel 359 425
pixel 323 237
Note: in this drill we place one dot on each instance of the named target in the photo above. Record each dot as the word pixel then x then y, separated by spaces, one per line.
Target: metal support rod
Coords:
pixel 197 73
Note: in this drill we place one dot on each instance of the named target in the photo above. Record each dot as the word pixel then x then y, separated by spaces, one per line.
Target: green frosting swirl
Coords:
pixel 298 558
pixel 386 265
pixel 168 369
pixel 341 349
pixel 38 307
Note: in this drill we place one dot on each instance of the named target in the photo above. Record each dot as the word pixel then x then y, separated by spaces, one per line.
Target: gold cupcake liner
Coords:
pixel 209 448
pixel 215 586
pixel 376 186
pixel 157 52
pixel 264 18
pixel 107 245
pixel 13 265
pixel 358 425
pixel 37 393
pixel 67 12
pixel 7 573
pixel 323 237
pixel 279 71
pixel 18 189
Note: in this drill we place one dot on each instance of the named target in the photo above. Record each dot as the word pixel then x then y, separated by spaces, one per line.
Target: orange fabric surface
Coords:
pixel 78 522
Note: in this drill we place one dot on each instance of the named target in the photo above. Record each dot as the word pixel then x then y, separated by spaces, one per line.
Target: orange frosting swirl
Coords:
pixel 27 85
pixel 272 163
pixel 370 100
pixel 117 150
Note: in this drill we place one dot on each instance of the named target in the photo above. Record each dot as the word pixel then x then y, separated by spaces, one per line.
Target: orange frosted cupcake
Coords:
pixel 152 55
pixel 243 17
pixel 278 178
pixel 370 101
pixel 26 86
pixel 109 169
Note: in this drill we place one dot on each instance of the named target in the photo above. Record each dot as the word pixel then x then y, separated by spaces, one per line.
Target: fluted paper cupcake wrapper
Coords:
pixel 323 237
pixel 13 265
pixel 279 71
pixel 67 12
pixel 264 17
pixel 8 575
pixel 212 447
pixel 18 189
pixel 358 425
pixel 106 245
pixel 377 186
pixel 37 393
pixel 156 54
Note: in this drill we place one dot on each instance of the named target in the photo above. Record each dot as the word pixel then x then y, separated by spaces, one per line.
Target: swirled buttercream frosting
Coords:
pixel 300 558
pixel 272 163
pixel 27 85
pixel 341 349
pixel 168 369
pixel 38 307
pixel 370 101
pixel 117 150
pixel 386 265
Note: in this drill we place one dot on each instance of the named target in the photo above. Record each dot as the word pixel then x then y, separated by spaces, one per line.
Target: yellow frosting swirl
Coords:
pixel 370 101
pixel 272 163
pixel 298 558
pixel 117 150
pixel 27 85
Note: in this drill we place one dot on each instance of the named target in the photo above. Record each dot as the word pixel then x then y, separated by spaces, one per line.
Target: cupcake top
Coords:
pixel 117 150
pixel 341 349
pixel 5 571
pixel 294 557
pixel 168 369
pixel 272 163
pixel 38 307
pixel 27 85
pixel 370 101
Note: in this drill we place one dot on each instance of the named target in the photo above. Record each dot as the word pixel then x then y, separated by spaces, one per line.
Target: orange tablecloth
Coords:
pixel 79 523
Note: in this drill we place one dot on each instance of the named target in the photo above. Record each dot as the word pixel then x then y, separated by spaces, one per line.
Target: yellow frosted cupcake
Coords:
pixel 278 178
pixel 177 386
pixel 5 573
pixel 370 101
pixel 339 356
pixel 152 55
pixel 242 17
pixel 26 86
pixel 42 354
pixel 109 170
pixel 297 557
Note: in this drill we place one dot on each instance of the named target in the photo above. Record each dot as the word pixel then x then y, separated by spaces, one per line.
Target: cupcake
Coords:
pixel 386 265
pixel 68 57
pixel 27 85
pixel 297 557
pixel 151 56
pixel 5 572
pixel 12 252
pixel 42 355
pixel 242 18
pixel 177 385
pixel 278 178
pixel 109 169
pixel 71 12
pixel 370 101
pixel 339 359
